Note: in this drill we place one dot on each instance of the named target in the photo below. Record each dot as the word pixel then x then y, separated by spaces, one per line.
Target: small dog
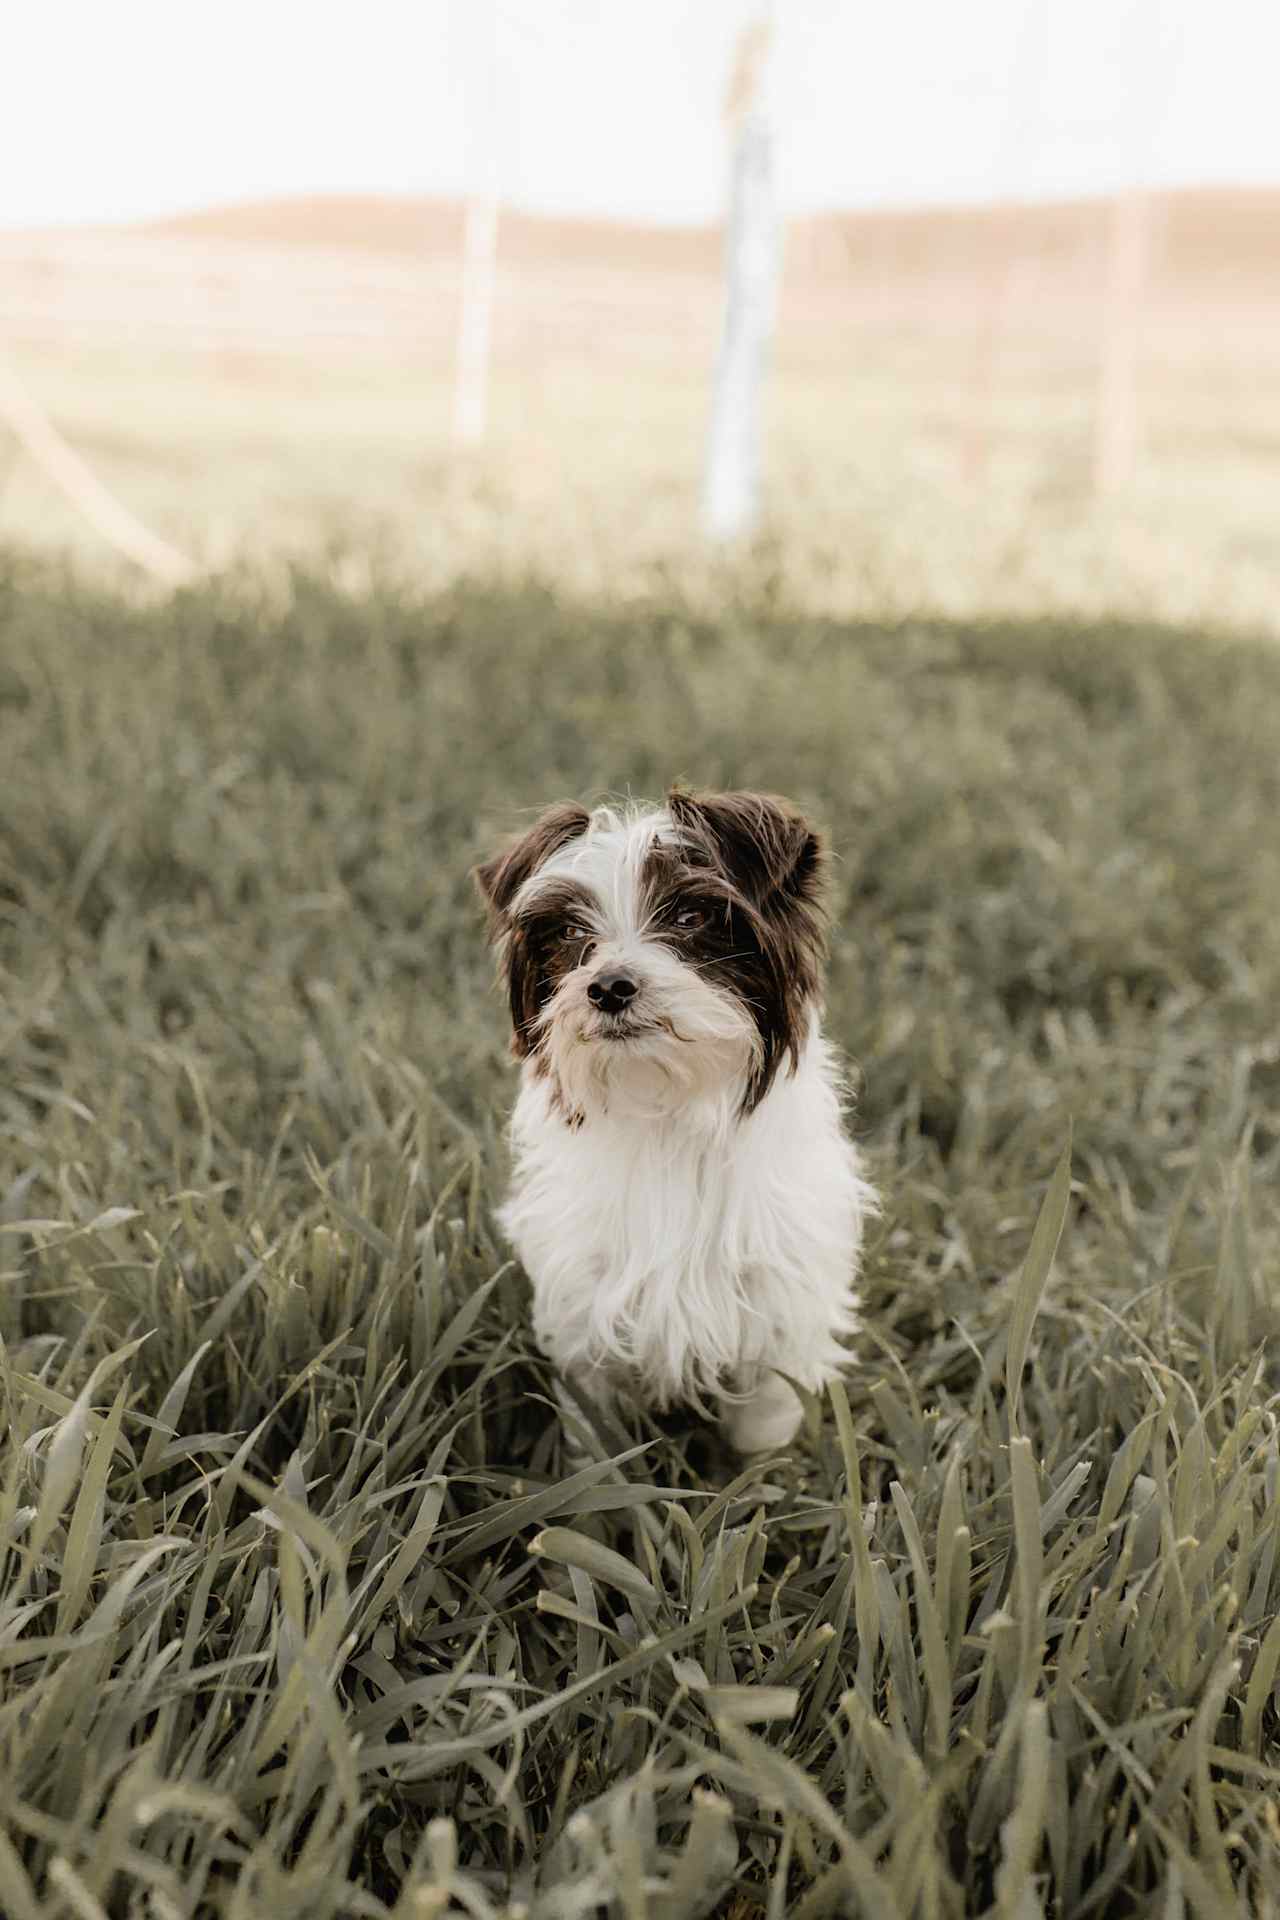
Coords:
pixel 685 1199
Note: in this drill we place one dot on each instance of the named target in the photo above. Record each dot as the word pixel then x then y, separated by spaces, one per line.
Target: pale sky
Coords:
pixel 121 109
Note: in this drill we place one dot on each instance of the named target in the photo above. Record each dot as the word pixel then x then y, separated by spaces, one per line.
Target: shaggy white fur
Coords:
pixel 676 1241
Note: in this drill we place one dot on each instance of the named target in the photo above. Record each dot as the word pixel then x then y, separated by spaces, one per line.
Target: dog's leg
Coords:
pixel 769 1417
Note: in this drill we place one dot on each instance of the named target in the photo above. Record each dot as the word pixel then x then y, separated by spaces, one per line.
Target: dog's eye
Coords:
pixel 692 919
pixel 573 935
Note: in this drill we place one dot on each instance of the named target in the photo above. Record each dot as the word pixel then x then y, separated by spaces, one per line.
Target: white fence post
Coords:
pixel 731 492
pixel 480 235
pixel 475 320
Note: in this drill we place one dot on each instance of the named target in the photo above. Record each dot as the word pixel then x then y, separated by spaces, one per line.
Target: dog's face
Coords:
pixel 654 958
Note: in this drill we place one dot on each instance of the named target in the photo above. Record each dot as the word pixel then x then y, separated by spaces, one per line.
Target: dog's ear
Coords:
pixel 501 878
pixel 774 859
pixel 766 846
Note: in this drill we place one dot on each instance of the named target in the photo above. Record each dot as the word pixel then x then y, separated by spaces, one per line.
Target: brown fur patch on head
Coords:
pixel 501 878
pixel 530 956
pixel 748 879
pixel 546 941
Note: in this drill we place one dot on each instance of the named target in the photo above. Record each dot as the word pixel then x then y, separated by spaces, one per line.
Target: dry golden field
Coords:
pixel 274 381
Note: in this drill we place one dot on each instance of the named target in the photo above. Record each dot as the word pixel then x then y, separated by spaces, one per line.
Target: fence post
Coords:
pixel 731 491
pixel 475 320
pixel 480 233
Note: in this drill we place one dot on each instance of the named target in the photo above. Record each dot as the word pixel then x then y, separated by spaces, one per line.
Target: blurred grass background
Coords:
pixel 299 1613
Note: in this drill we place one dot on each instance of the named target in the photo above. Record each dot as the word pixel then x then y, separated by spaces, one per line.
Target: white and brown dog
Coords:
pixel 685 1199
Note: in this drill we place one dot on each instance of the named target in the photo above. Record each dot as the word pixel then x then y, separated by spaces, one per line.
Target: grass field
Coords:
pixel 303 1611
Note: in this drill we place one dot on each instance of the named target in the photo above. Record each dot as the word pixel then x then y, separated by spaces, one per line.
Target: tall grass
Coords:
pixel 303 1610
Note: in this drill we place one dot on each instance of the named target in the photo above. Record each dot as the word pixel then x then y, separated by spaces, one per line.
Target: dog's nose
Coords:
pixel 612 992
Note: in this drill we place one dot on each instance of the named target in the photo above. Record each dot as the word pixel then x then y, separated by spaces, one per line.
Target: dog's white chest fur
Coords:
pixel 687 1249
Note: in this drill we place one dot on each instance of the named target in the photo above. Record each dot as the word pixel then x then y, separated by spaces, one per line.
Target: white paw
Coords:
pixel 769 1419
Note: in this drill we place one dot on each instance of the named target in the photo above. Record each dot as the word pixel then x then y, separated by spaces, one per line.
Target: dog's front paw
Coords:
pixel 768 1418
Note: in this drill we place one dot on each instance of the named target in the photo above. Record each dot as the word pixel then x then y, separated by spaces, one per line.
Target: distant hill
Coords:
pixel 392 224
pixel 378 275
pixel 1196 231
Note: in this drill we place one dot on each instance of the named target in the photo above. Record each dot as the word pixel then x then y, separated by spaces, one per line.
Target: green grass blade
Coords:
pixel 1035 1273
